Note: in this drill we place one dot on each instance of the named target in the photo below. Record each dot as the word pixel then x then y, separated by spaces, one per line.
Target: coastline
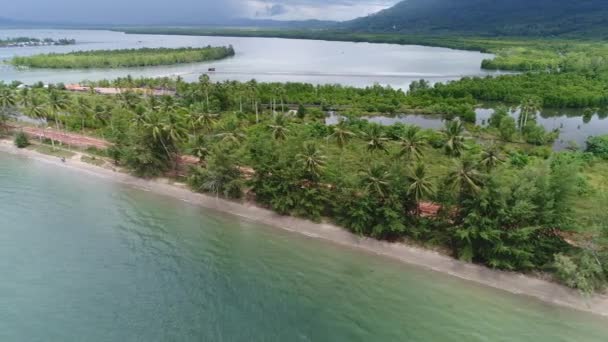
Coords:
pixel 510 282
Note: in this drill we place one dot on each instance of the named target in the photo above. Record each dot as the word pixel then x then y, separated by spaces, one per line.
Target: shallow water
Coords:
pixel 573 127
pixel 265 59
pixel 84 259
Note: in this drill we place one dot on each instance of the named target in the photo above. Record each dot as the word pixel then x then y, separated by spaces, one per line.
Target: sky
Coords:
pixel 187 11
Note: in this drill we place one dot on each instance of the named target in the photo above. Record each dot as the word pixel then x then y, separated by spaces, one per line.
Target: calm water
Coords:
pixel 117 264
pixel 571 124
pixel 281 60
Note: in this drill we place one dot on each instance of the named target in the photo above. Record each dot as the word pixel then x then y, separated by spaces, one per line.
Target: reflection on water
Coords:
pixel 573 124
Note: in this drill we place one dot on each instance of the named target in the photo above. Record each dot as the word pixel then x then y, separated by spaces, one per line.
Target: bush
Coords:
pixel 598 146
pixel 21 140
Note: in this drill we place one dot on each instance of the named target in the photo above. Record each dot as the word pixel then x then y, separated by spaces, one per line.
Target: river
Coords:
pixel 85 259
pixel 265 59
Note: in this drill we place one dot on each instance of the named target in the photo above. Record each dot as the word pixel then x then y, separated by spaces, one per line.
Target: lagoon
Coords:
pixel 263 59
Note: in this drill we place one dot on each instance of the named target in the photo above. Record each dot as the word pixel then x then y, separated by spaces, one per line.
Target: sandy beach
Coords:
pixel 511 282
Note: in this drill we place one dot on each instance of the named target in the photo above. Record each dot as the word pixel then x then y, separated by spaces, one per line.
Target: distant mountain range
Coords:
pixel 490 17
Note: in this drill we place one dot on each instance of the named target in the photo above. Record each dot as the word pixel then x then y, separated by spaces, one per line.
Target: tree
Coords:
pixel 412 143
pixel 421 184
pixel 312 160
pixel 7 102
pixel 83 108
pixel 490 158
pixel 376 182
pixel 454 140
pixel 57 103
pixel 341 135
pixel 529 107
pixel 507 128
pixel 279 127
pixel 465 178
pixel 205 84
pixel 375 138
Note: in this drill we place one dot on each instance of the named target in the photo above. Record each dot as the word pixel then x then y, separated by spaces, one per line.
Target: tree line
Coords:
pixel 506 206
pixel 123 58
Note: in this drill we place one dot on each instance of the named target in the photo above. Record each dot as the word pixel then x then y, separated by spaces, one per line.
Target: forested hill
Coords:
pixel 491 17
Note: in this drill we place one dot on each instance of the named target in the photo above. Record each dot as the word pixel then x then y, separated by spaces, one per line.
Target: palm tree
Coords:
pixel 490 158
pixel 341 135
pixel 37 110
pixel 84 108
pixel 278 127
pixel 529 107
pixel 465 178
pixel 57 103
pixel 421 185
pixel 412 143
pixel 376 181
pixel 174 129
pixel 128 99
pixel 312 159
pixel 252 89
pixel 156 128
pixel 454 144
pixel 205 84
pixel 8 100
pixel 376 140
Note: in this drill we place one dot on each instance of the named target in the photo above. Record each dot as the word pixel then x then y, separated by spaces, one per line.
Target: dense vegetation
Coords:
pixel 28 41
pixel 123 58
pixel 489 17
pixel 508 206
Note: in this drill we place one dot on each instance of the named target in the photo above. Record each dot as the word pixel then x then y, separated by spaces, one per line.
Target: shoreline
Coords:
pixel 514 283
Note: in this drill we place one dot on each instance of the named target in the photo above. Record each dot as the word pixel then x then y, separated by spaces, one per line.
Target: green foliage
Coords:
pixel 583 272
pixel 598 146
pixel 21 140
pixel 123 58
pixel 221 176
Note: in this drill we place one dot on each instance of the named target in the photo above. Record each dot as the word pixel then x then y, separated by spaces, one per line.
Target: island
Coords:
pixel 28 41
pixel 109 59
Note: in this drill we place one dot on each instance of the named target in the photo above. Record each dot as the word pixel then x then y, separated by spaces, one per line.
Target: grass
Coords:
pixel 48 150
pixel 93 160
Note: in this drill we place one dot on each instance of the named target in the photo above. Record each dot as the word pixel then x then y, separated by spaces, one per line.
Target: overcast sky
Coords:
pixel 155 11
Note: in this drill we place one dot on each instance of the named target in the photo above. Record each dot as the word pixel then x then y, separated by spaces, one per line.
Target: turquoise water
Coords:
pixel 84 259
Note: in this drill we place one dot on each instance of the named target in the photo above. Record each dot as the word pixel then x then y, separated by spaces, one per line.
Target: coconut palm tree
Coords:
pixel 375 138
pixel 8 100
pixel 490 158
pixel 376 182
pixel 83 107
pixel 412 143
pixel 421 184
pixel 465 178
pixel 57 103
pixel 528 107
pixel 312 159
pixel 279 127
pixel 252 90
pixel 454 139
pixel 128 99
pixel 341 135
pixel 38 111
pixel 205 85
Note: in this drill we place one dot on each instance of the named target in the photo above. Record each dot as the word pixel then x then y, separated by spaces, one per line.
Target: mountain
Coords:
pixel 490 18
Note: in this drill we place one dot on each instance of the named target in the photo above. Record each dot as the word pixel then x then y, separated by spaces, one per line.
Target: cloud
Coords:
pixel 316 9
pixel 191 11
